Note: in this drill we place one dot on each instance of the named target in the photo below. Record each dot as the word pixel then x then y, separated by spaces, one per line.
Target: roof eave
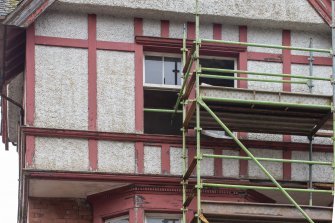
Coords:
pixel 27 12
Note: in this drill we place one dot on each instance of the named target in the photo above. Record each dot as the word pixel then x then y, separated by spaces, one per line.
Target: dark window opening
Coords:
pixel 220 64
pixel 161 123
pixel 162 70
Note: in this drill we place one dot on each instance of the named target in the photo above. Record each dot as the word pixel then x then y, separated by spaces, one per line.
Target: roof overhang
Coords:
pixel 27 12
pixel 12 52
pixel 324 8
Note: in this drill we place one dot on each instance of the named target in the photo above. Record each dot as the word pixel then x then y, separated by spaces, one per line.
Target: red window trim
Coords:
pixel 172 45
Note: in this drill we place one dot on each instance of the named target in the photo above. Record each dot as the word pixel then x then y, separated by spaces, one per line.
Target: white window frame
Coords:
pixel 180 57
pixel 162 215
pixel 116 218
pixel 171 55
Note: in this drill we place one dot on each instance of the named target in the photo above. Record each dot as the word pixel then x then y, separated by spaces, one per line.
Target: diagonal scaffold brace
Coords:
pixel 246 150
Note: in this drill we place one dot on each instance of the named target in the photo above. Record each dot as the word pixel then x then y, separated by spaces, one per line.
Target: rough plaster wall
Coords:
pixel 320 173
pixel 302 39
pixel 61 88
pixel 61 24
pixel 176 161
pixel 317 140
pixel 257 66
pixel 207 164
pixel 118 29
pixel 176 29
pixel 152 160
pixel 61 154
pixel 230 32
pixel 264 36
pixel 273 13
pixel 206 30
pixel 320 87
pixel 15 92
pixel 116 157
pixel 276 169
pixel 265 136
pixel 230 167
pixel 115 91
pixel 151 27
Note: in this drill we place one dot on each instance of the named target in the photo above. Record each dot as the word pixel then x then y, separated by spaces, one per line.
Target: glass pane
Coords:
pixel 123 219
pixel 153 70
pixel 162 220
pixel 172 72
pixel 223 64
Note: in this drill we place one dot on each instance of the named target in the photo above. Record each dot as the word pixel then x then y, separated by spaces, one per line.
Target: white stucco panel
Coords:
pixel 320 87
pixel 61 24
pixel 116 157
pixel 115 91
pixel 264 36
pixel 61 154
pixel 267 67
pixel 302 39
pixel 151 27
pixel 230 32
pixel 117 29
pixel 300 172
pixel 275 169
pixel 61 88
pixel 152 160
pixel 177 29
pixel 176 161
pixel 207 164
pixel 230 167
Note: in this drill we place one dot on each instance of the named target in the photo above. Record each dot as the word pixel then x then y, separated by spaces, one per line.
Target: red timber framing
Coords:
pixel 165 28
pixel 148 199
pixel 92 89
pixel 323 7
pixel 243 65
pixel 160 44
pixel 286 41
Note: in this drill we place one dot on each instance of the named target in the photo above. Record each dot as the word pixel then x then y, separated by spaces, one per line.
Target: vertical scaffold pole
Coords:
pixel 184 156
pixel 310 169
pixel 333 85
pixel 198 129
pixel 311 61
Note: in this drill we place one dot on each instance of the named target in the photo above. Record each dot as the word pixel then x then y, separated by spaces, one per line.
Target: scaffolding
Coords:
pixel 194 108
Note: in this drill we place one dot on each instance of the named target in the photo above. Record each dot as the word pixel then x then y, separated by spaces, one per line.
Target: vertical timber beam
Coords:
pixel 92 89
pixel 286 41
pixel 165 28
pixel 243 65
pixel 139 100
pixel 30 93
pixel 333 85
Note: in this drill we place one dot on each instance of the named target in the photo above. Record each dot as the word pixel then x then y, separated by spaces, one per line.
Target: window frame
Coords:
pixel 171 55
pixel 162 215
pixel 225 58
pixel 116 218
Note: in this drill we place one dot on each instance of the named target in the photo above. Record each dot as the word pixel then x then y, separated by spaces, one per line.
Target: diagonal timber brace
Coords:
pixel 246 150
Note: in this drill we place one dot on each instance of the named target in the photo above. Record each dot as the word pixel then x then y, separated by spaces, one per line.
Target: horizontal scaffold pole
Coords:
pixel 297 76
pixel 270 103
pixel 161 110
pixel 263 169
pixel 268 159
pixel 251 79
pixel 246 187
pixel 267 46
